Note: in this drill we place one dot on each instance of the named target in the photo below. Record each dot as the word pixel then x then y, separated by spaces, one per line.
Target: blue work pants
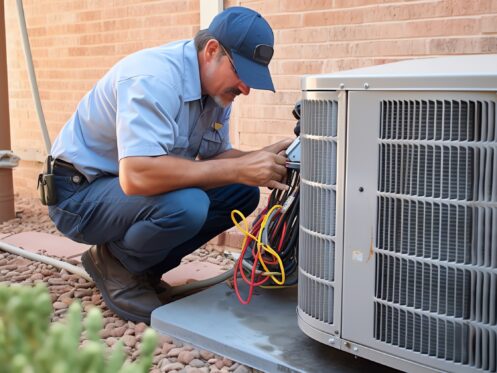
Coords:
pixel 146 233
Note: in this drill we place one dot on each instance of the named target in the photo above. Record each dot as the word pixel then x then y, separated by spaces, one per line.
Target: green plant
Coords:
pixel 29 343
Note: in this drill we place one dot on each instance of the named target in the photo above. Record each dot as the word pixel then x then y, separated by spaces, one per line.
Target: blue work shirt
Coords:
pixel 148 104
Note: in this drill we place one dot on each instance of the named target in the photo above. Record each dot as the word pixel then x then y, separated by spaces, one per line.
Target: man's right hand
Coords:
pixel 162 174
pixel 262 168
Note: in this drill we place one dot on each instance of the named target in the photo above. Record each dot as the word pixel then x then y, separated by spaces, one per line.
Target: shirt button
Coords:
pixel 76 179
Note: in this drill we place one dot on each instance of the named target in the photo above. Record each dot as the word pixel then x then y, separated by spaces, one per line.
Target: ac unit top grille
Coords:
pixel 451 73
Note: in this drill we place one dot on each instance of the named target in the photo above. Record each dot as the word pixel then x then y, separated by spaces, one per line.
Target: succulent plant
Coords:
pixel 30 343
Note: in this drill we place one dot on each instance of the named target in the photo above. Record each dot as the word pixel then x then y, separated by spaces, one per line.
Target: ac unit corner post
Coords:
pixel 398 235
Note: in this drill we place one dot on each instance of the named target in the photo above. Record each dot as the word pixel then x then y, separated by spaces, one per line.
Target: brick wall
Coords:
pixel 75 41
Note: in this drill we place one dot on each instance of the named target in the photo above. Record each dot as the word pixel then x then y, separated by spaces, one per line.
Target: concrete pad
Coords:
pixel 53 245
pixel 191 272
pixel 263 334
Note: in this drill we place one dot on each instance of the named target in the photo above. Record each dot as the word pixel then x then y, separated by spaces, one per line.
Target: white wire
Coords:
pixel 45 259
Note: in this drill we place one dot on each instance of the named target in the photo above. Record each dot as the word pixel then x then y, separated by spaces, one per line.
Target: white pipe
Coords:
pixel 176 290
pixel 32 76
pixel 45 259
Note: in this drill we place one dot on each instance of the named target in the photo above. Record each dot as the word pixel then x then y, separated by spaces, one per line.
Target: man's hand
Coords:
pixel 266 167
pixel 162 174
pixel 262 168
pixel 279 147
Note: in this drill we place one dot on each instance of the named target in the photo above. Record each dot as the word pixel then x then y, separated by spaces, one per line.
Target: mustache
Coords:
pixel 234 91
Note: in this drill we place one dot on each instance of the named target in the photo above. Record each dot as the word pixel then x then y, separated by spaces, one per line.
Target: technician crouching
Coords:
pixel 144 169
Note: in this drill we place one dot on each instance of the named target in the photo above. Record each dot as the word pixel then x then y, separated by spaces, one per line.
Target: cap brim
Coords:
pixel 253 74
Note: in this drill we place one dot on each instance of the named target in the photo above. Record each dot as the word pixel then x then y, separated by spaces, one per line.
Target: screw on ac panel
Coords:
pixel 331 341
pixel 361 189
pixel 366 85
pixel 355 349
pixel 342 86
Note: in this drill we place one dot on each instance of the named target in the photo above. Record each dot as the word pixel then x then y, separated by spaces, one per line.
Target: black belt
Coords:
pixel 77 178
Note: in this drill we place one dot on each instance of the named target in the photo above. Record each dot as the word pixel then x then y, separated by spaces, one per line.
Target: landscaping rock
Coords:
pixel 170 356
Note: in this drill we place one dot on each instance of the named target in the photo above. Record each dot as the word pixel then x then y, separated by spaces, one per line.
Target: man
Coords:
pixel 144 169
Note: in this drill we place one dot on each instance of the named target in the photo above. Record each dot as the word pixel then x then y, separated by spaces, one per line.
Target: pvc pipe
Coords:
pixel 45 259
pixel 175 290
pixel 32 76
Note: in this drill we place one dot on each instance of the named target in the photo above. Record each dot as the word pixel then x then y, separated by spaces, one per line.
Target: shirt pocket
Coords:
pixel 212 144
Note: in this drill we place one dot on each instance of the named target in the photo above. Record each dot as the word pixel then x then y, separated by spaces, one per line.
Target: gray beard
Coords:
pixel 220 102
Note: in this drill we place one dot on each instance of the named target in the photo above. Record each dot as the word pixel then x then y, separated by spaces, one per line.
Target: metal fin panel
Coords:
pixel 436 256
pixel 318 209
pixel 318 259
pixel 316 298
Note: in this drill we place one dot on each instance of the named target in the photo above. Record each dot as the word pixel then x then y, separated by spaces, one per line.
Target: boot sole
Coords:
pixel 92 270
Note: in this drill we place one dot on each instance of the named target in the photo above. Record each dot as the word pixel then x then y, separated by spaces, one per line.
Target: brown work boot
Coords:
pixel 162 288
pixel 130 296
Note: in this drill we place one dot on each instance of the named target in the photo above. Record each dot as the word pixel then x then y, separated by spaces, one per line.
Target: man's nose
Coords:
pixel 245 89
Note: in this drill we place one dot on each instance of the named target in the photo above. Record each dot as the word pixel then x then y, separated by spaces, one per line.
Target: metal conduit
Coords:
pixel 32 76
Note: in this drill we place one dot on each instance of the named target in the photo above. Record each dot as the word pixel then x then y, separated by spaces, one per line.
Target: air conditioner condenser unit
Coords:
pixel 398 213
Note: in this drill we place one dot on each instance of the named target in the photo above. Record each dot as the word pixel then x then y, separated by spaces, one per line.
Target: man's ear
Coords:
pixel 211 50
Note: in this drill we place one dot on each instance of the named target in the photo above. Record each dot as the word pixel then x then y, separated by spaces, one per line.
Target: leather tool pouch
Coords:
pixel 46 184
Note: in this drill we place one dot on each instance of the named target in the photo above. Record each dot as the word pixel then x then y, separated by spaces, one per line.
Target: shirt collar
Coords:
pixel 191 77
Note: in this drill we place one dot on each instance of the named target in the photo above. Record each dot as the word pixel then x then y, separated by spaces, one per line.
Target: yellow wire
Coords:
pixel 266 247
pixel 277 287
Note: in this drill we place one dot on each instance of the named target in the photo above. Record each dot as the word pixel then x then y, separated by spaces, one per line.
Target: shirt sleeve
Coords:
pixel 145 112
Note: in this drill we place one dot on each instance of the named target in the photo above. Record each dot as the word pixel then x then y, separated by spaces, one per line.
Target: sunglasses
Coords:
pixel 229 59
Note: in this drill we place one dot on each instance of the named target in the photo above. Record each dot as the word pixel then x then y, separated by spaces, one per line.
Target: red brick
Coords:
pixel 359 3
pixel 305 5
pixel 280 127
pixel 282 21
pixel 302 35
pixel 489 24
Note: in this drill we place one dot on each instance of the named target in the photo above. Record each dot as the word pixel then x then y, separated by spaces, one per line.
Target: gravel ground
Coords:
pixel 170 355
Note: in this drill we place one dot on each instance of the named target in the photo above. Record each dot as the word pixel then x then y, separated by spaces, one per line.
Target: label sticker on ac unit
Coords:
pixel 357 256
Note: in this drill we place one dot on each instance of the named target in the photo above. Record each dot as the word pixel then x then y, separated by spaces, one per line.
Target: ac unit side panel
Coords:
pixel 420 236
pixel 321 206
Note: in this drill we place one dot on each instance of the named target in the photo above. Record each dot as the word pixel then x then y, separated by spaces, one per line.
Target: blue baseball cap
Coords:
pixel 250 40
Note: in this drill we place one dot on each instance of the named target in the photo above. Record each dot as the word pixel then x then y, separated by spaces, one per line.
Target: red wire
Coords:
pixel 254 232
pixel 242 272
pixel 237 291
pixel 275 230
pixel 283 234
pixel 261 279
pixel 251 283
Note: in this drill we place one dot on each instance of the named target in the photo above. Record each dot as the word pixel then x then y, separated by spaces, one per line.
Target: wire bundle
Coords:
pixel 270 249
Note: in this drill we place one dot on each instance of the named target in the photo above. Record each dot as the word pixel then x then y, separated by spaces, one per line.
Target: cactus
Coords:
pixel 30 344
